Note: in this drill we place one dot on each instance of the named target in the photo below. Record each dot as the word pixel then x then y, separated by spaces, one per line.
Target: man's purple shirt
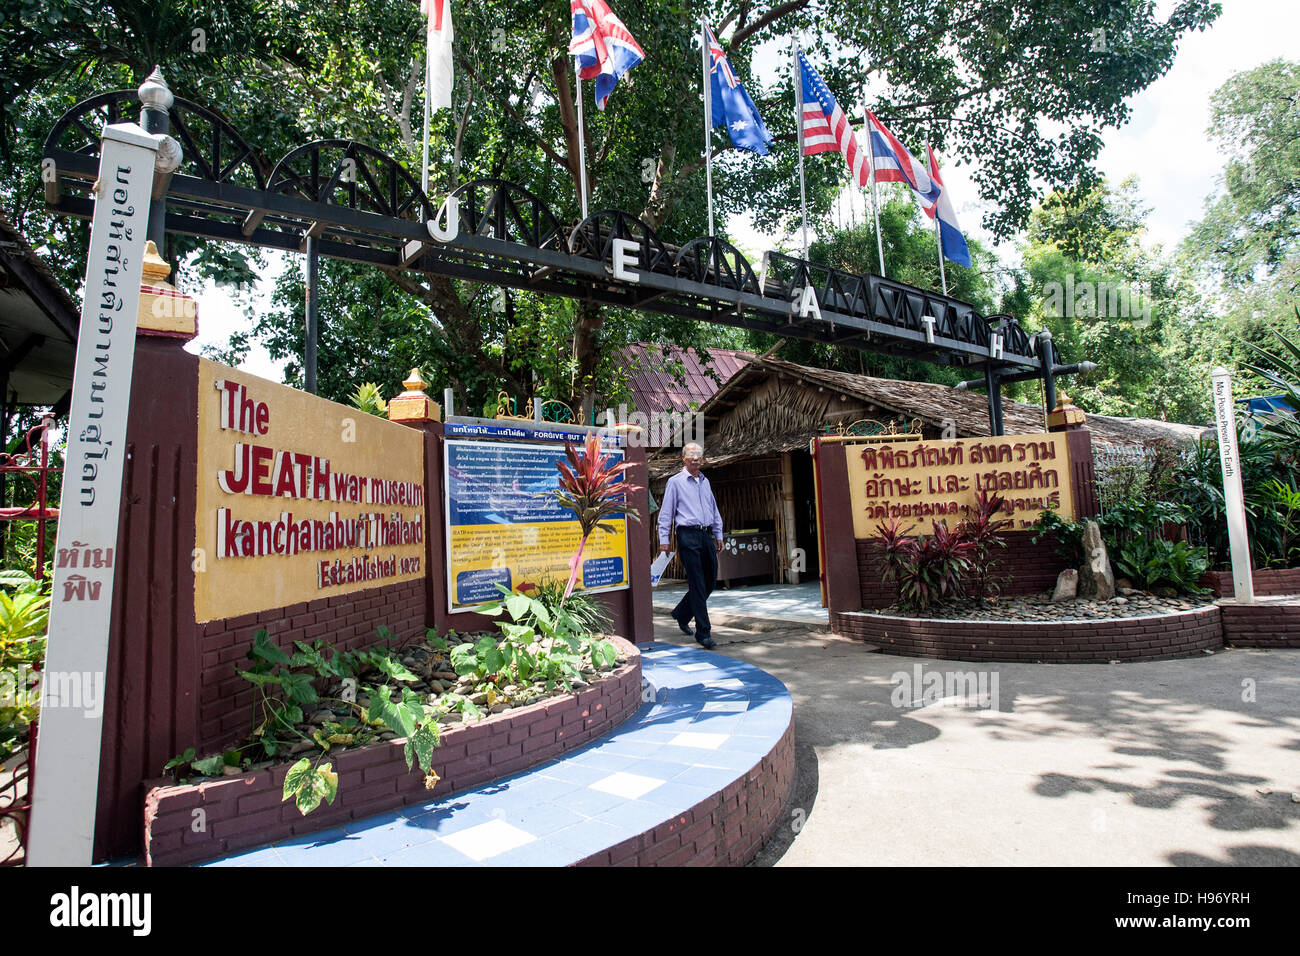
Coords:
pixel 690 502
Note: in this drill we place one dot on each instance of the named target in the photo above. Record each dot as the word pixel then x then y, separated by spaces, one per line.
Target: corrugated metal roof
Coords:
pixel 655 387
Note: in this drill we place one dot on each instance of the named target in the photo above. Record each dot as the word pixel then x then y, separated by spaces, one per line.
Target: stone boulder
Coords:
pixel 1067 586
pixel 1096 579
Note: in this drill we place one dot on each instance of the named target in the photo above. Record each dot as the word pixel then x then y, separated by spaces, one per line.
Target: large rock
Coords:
pixel 1096 579
pixel 1067 585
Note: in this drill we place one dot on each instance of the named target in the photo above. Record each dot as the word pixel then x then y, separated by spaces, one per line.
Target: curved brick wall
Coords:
pixel 1065 642
pixel 726 829
pixel 1267 623
pixel 247 810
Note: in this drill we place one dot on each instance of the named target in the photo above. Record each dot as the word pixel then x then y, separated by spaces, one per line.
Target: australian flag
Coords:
pixel 602 45
pixel 732 105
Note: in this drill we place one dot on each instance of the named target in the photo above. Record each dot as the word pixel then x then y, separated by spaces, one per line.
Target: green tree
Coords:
pixel 1020 88
pixel 1108 299
pixel 1245 251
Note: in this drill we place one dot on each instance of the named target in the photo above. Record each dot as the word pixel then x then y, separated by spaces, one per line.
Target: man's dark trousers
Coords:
pixel 699 557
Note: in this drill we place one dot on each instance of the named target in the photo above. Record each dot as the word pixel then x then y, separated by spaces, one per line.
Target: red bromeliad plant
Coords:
pixel 985 534
pixel 594 490
pixel 928 568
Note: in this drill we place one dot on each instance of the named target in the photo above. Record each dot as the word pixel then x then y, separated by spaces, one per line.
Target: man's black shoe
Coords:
pixel 682 624
pixel 707 643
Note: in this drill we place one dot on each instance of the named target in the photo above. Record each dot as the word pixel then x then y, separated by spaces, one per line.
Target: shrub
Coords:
pixel 24 615
pixel 1066 536
pixel 1154 562
pixel 929 568
pixel 593 490
pixel 983 531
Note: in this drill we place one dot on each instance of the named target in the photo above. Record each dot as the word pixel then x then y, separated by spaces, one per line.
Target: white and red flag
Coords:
pixel 951 240
pixel 439 36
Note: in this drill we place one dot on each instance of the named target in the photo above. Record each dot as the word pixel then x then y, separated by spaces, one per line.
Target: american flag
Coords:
pixel 825 127
pixel 602 46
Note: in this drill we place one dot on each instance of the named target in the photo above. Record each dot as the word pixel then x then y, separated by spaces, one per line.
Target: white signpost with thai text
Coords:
pixel 1226 427
pixel 76 657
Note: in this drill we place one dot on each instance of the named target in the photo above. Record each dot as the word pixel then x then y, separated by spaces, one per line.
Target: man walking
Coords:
pixel 688 500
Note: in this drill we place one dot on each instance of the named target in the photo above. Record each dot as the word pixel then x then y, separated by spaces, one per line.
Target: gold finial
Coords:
pixel 164 310
pixel 415 381
pixel 413 405
pixel 154 267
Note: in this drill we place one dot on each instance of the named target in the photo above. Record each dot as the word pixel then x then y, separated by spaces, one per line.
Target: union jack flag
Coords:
pixel 602 45
pixel 825 127
pixel 720 62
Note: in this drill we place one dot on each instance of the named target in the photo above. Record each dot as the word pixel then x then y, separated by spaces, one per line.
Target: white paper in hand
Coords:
pixel 657 567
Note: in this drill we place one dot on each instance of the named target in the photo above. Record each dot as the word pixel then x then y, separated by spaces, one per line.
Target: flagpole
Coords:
pixel 582 139
pixel 938 238
pixel 708 118
pixel 428 95
pixel 798 110
pixel 871 165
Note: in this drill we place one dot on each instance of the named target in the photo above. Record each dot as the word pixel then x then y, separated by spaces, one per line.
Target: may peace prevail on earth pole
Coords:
pixel 76 659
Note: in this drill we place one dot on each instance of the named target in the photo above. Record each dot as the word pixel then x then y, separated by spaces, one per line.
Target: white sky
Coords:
pixel 1165 144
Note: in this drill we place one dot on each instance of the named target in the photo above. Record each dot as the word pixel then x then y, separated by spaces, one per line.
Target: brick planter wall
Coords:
pixel 347 621
pixel 1032 567
pixel 726 829
pixel 1066 642
pixel 1267 583
pixel 1267 624
pixel 246 811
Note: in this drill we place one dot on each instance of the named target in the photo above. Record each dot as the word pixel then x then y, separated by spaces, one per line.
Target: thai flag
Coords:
pixel 894 164
pixel 951 239
pixel 824 126
pixel 604 48
pixel 732 105
pixel 439 51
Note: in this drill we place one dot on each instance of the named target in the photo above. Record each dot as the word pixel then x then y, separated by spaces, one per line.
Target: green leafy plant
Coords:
pixel 587 610
pixel 537 645
pixel 1156 562
pixel 288 685
pixel 1283 371
pixel 1066 536
pixel 1263 460
pixel 593 489
pixel 1134 518
pixel 24 617
pixel 369 398
pixel 1287 501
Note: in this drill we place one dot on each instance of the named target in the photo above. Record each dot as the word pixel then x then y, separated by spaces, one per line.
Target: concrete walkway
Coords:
pixel 1179 763
pixel 775 604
